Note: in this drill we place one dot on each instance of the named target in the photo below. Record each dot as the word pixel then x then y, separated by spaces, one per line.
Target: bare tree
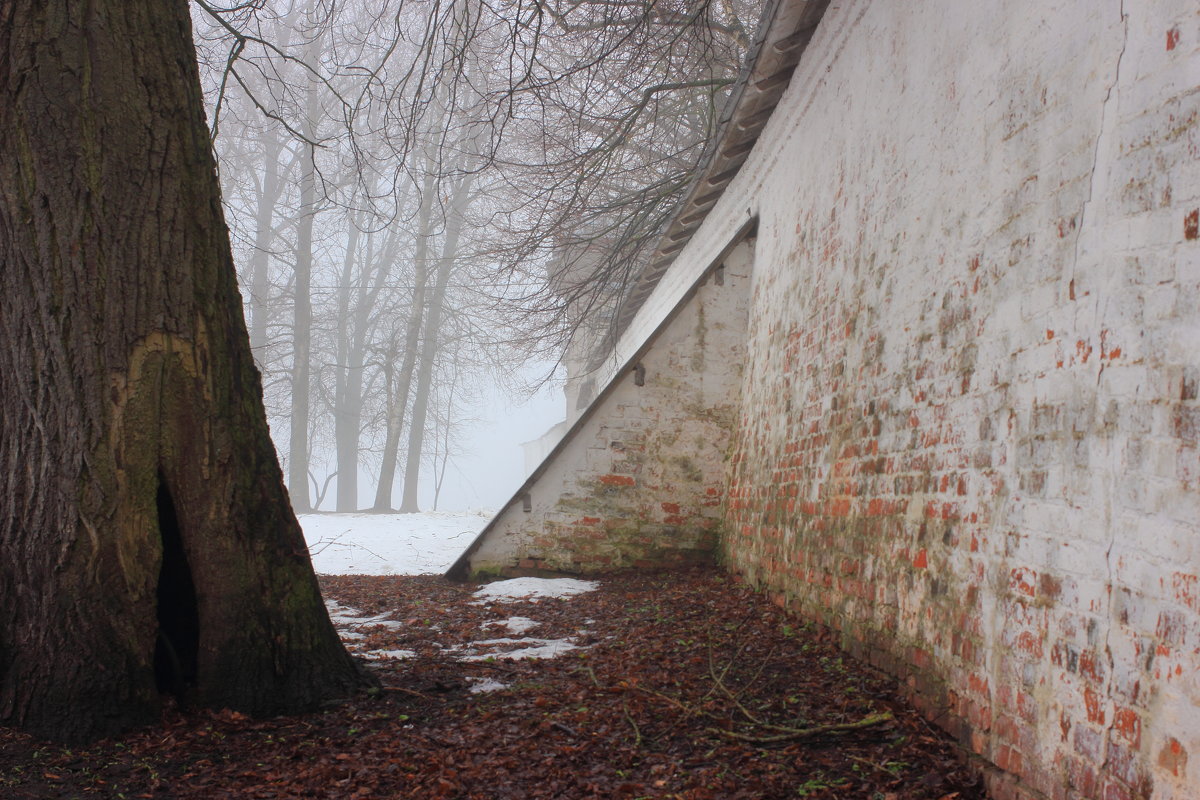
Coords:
pixel 429 347
pixel 583 137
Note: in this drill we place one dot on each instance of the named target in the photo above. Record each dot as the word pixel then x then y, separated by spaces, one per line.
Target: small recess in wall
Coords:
pixel 527 502
pixel 719 275
pixel 639 375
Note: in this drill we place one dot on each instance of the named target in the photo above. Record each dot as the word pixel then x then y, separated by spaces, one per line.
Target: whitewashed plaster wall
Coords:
pixel 968 432
pixel 639 480
pixel 968 436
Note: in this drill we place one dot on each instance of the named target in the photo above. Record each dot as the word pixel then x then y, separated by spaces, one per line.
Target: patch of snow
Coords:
pixel 390 544
pixel 350 621
pixel 380 654
pixel 538 648
pixel 421 544
pixel 503 640
pixel 355 623
pixel 485 685
pixel 334 608
pixel 533 588
pixel 515 625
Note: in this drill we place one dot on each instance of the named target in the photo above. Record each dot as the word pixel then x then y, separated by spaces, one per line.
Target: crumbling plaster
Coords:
pixel 967 426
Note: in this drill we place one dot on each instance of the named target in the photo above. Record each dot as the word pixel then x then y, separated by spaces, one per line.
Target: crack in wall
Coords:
pixel 1107 124
pixel 1101 140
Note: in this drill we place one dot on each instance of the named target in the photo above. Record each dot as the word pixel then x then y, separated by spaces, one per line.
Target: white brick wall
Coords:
pixel 965 421
pixel 640 478
pixel 968 415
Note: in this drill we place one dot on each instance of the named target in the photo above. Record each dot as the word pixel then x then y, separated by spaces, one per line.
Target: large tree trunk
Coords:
pixel 147 540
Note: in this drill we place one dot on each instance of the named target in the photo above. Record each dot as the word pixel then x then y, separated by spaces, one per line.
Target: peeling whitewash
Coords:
pixel 967 422
pixel 640 478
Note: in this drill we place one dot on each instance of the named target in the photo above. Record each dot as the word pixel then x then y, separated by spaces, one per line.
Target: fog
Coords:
pixel 432 206
pixel 491 465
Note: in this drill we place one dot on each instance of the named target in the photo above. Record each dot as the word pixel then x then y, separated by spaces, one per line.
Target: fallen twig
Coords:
pixel 592 674
pixel 399 690
pixel 870 764
pixel 564 728
pixel 637 732
pixel 815 731
pixel 666 698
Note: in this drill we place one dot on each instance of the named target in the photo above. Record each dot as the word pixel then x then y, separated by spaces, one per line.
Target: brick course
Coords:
pixel 968 436
pixel 639 481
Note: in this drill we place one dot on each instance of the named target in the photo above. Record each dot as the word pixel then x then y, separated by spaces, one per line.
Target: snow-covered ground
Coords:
pixel 421 544
pixel 354 625
pixel 533 588
pixel 390 544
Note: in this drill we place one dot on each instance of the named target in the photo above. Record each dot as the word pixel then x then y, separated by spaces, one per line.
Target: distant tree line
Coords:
pixel 422 196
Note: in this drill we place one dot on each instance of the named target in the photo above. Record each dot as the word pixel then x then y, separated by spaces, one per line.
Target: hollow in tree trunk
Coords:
pixel 147 541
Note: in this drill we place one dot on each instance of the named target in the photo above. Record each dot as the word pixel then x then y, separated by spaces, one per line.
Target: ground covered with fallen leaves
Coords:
pixel 669 685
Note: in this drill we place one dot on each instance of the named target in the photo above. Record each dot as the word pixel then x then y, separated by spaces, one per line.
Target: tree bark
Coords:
pixel 148 544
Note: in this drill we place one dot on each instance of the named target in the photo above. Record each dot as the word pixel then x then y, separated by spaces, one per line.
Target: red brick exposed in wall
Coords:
pixel 641 481
pixel 969 432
